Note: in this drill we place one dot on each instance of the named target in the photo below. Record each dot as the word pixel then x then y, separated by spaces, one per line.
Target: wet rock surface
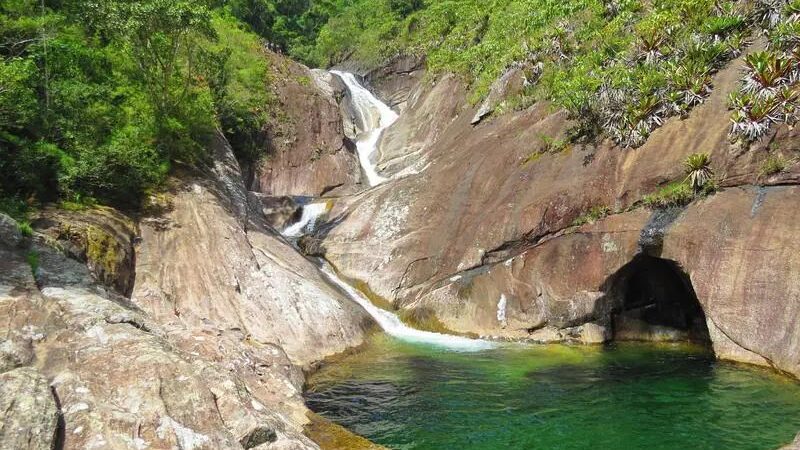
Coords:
pixel 208 263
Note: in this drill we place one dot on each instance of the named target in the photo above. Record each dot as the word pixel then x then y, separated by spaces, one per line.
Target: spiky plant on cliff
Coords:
pixel 770 85
pixel 766 73
pixel 752 116
pixel 769 12
pixel 698 170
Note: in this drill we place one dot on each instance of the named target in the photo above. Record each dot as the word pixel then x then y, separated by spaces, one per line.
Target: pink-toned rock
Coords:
pixel 206 263
pixel 308 152
pixel 482 234
pixel 740 249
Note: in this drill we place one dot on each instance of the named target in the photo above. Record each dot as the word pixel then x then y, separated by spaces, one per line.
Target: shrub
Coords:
pixel 773 164
pixel 25 228
pixel 677 193
pixel 120 171
pixel 33 261
pixel 594 214
pixel 236 67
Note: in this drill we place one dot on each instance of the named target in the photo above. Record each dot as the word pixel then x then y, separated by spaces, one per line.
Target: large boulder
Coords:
pixel 99 236
pixel 309 153
pixel 206 262
pixel 93 371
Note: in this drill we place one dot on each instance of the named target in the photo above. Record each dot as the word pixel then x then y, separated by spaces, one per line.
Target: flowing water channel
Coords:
pixel 374 116
pixel 409 389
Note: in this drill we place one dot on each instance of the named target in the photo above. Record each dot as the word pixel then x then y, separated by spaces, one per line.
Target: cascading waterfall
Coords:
pixel 311 213
pixel 393 326
pixel 375 116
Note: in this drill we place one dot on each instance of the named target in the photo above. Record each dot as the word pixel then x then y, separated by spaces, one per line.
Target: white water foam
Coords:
pixel 393 326
pixel 367 106
pixel 311 213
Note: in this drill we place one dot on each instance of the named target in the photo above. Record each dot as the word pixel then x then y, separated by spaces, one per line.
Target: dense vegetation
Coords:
pixel 621 66
pixel 99 99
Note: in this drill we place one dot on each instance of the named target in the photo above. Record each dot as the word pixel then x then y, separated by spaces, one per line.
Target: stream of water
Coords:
pixel 375 116
pixel 312 212
pixel 393 326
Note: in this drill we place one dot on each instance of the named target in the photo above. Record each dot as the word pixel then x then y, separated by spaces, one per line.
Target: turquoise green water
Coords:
pixel 627 396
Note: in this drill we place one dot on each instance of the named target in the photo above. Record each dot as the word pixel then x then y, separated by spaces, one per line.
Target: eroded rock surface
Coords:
pixel 29 411
pixel 99 236
pixel 207 354
pixel 93 371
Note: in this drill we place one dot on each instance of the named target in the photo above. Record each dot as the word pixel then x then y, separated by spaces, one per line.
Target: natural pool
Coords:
pixel 624 396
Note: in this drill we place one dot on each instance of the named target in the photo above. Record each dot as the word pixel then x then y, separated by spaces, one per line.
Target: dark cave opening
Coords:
pixel 655 301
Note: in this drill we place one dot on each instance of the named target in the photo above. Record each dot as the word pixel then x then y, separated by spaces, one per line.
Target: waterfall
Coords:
pixel 393 326
pixel 311 213
pixel 376 116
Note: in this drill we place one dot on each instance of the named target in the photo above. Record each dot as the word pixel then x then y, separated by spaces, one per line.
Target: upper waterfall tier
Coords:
pixel 375 116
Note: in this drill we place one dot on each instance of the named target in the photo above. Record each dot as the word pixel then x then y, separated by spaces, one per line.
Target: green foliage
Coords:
pixel 772 165
pixel 17 97
pixel 678 193
pixel 33 260
pixel 617 67
pixel 594 214
pixel 98 99
pixel 236 68
pixel 554 144
pixel 769 89
pixel 14 207
pixel 290 25
pixel 25 228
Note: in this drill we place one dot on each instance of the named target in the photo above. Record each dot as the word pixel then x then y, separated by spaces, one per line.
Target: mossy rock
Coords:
pixel 98 236
pixel 330 436
pixel 423 319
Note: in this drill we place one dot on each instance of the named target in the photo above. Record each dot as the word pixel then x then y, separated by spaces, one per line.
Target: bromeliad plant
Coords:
pixel 698 171
pixel 767 72
pixel 769 89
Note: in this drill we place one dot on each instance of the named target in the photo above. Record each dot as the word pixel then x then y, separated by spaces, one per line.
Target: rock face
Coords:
pixel 309 153
pixel 29 410
pixel 395 81
pixel 207 354
pixel 483 235
pixel 210 263
pixel 89 370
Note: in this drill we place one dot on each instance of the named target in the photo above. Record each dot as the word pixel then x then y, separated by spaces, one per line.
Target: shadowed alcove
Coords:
pixel 653 300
